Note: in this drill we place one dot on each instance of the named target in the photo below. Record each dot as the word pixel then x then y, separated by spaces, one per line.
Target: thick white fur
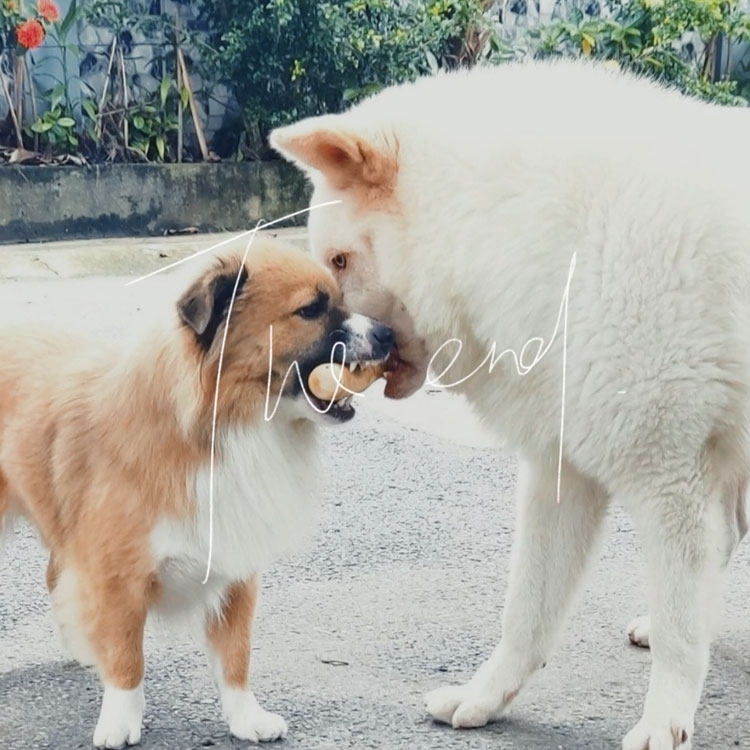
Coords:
pixel 265 504
pixel 504 174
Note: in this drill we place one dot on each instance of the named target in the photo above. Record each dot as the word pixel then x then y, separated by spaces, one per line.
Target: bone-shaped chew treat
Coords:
pixel 322 380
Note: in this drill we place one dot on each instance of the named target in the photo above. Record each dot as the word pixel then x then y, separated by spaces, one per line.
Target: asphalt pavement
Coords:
pixel 400 591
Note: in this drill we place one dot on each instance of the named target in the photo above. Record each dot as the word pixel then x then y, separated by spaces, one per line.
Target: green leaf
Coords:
pixel 164 90
pixel 160 146
pixel 56 95
pixel 41 127
pixel 70 17
pixel 89 108
pixel 139 122
pixel 184 97
pixel 66 122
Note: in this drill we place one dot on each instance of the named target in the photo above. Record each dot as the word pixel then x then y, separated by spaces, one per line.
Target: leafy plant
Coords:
pixel 286 59
pixel 152 123
pixel 647 36
pixel 125 16
pixel 56 127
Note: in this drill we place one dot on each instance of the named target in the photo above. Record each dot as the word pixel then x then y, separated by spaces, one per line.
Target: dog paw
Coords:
pixel 650 734
pixel 442 703
pixel 638 631
pixel 120 718
pixel 461 707
pixel 258 725
pixel 119 723
pixel 474 712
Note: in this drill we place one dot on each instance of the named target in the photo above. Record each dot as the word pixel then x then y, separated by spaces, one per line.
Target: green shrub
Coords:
pixel 287 59
pixel 647 36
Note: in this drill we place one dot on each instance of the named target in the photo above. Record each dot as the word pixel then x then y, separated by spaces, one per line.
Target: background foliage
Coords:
pixel 286 59
pixel 658 38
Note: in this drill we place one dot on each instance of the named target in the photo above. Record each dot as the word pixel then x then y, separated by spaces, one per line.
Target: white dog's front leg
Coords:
pixel 552 545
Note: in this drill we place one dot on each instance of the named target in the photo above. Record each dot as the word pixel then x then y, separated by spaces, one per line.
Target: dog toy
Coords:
pixel 325 381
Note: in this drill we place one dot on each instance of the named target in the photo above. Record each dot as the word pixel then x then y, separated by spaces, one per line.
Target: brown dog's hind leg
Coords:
pixel 116 614
pixel 4 507
pixel 52 573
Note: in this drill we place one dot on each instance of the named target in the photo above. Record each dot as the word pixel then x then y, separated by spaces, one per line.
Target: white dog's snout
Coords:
pixel 359 325
pixel 367 338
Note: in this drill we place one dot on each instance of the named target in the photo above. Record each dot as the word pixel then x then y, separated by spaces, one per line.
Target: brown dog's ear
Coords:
pixel 204 306
pixel 345 158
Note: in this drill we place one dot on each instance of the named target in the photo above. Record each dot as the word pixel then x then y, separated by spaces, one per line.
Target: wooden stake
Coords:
pixel 193 106
pixel 18 79
pixel 178 74
pixel 33 99
pixel 12 109
pixel 180 113
pixel 99 122
pixel 125 124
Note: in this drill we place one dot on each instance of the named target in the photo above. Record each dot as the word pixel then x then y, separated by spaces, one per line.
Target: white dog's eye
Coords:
pixel 339 261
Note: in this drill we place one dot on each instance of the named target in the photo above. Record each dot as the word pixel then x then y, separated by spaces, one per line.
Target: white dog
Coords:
pixel 464 200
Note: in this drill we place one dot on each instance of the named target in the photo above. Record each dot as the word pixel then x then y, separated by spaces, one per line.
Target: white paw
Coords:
pixel 442 703
pixel 120 718
pixel 462 707
pixel 650 734
pixel 258 725
pixel 638 631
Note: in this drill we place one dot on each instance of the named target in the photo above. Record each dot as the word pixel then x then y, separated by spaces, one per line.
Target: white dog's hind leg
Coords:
pixel 735 528
pixel 684 540
pixel 552 545
pixel 638 630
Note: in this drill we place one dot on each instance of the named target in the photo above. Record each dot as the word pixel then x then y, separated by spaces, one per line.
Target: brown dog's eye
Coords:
pixel 316 309
pixel 339 261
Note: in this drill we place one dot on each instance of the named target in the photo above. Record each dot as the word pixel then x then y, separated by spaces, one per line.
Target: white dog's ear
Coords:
pixel 345 158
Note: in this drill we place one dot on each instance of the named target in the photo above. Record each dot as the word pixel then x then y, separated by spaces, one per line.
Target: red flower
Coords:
pixel 30 33
pixel 48 10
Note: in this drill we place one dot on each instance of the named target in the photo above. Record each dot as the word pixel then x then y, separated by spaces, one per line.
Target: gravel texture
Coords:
pixel 400 591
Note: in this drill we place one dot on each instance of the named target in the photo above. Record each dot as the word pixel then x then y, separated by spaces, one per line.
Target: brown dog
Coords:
pixel 110 457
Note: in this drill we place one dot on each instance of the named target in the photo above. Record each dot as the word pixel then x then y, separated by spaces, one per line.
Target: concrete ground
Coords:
pixel 399 592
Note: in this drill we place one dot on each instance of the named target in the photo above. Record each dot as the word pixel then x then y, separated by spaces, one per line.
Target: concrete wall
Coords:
pixel 55 203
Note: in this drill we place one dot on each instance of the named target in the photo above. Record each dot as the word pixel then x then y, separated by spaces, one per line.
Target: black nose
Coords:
pixel 382 340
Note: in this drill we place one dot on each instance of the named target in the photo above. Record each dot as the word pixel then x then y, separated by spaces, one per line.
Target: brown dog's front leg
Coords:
pixel 228 636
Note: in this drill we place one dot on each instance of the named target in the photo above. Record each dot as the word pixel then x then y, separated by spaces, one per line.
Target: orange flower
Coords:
pixel 10 6
pixel 48 10
pixel 30 33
